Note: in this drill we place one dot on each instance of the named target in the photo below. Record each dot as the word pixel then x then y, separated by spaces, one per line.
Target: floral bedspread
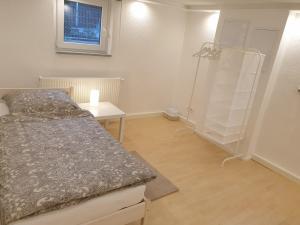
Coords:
pixel 50 163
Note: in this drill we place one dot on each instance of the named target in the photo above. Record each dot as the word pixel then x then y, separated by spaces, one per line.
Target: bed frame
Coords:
pixel 138 212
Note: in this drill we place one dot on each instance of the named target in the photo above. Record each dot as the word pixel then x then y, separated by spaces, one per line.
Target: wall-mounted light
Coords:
pixel 94 97
pixel 293 24
pixel 212 21
pixel 139 10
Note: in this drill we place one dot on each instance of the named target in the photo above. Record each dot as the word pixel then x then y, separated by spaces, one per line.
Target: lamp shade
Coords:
pixel 94 97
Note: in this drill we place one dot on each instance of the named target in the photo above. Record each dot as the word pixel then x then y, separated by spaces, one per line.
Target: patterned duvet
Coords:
pixel 50 163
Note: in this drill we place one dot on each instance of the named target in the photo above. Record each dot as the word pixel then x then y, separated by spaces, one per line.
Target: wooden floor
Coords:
pixel 241 193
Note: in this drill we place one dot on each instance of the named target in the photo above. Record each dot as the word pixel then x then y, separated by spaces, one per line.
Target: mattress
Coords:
pixel 89 210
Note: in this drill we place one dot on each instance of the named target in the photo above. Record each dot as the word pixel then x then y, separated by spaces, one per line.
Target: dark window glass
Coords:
pixel 82 23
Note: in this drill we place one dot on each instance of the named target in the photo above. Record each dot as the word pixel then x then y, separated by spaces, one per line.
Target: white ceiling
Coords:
pixel 224 2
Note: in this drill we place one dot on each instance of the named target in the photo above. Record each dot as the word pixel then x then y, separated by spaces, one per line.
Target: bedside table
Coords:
pixel 107 111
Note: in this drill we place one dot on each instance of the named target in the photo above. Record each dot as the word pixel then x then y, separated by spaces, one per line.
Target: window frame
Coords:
pixel 80 48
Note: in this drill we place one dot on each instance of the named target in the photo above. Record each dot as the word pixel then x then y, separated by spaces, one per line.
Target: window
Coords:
pixel 82 23
pixel 83 26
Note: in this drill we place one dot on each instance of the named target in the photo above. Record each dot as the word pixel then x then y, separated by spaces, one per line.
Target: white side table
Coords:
pixel 107 111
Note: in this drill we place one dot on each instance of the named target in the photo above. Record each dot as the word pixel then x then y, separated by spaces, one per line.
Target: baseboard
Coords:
pixel 143 115
pixel 278 169
pixel 190 122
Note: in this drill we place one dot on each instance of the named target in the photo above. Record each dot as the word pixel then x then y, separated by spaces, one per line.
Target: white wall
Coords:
pixel 200 27
pixel 278 139
pixel 146 51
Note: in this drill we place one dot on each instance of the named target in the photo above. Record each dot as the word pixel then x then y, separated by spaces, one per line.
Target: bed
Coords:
pixel 58 166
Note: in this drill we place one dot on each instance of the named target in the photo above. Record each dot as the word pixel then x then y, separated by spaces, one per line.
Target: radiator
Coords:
pixel 109 87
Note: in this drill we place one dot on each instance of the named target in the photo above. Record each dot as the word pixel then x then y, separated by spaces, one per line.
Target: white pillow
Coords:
pixel 3 108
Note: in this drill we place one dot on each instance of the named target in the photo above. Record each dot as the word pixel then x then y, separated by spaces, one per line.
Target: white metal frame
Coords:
pixel 212 50
pixel 236 153
pixel 208 50
pixel 106 30
pixel 124 216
